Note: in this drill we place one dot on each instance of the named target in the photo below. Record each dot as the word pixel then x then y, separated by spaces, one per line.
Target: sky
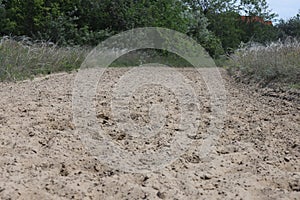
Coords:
pixel 284 8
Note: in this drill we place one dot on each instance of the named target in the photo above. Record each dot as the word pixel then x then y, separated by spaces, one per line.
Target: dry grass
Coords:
pixel 276 62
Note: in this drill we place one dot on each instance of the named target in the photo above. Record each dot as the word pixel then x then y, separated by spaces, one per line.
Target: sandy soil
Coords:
pixel 257 156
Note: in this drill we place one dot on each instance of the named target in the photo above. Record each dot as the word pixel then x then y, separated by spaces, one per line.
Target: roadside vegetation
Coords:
pixel 25 59
pixel 43 37
pixel 277 62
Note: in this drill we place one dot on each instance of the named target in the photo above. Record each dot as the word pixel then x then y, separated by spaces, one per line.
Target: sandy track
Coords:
pixel 256 157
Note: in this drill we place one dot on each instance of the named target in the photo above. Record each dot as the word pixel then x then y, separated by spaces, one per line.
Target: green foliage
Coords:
pixel 213 6
pixel 127 14
pixel 226 27
pixel 257 32
pixel 88 22
pixel 289 28
pixel 2 16
pixel 199 31
pixel 258 8
pixel 138 57
pixel 215 24
pixel 61 21
pixel 225 22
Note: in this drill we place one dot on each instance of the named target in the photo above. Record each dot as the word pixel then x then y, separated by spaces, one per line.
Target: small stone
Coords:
pixel 258 129
pixel 161 195
pixel 206 177
pixel 287 159
pixel 286 152
pixel 97 168
pixel 31 134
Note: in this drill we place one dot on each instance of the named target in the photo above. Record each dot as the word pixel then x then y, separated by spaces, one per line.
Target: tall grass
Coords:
pixel 21 58
pixel 26 59
pixel 276 62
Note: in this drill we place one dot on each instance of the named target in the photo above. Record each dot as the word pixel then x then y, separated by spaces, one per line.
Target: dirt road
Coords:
pixel 257 155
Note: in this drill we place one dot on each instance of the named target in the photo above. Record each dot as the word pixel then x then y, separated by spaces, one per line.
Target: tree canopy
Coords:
pixel 216 24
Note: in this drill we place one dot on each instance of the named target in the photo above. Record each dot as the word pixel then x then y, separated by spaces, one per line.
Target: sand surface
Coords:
pixel 256 156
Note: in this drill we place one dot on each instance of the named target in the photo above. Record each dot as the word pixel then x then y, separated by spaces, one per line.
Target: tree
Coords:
pixel 258 32
pixel 25 15
pixel 214 23
pixel 215 6
pixel 225 21
pixel 254 28
pixel 257 8
pixel 199 31
pixel 128 14
pixel 89 21
pixel 289 28
pixel 2 17
pixel 225 26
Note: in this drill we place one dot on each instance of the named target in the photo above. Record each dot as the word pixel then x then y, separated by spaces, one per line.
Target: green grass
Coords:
pixel 295 86
pixel 277 62
pixel 21 60
pixel 24 59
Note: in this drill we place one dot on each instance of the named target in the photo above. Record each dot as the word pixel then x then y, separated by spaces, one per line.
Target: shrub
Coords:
pixel 290 28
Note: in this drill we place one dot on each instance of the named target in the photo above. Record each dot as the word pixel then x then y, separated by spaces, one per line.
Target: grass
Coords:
pixel 295 86
pixel 25 59
pixel 277 62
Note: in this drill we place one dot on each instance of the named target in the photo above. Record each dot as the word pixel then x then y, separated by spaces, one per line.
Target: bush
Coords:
pixel 290 28
pixel 145 56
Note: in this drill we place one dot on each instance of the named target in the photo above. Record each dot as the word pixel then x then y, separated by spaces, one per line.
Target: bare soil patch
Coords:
pixel 41 157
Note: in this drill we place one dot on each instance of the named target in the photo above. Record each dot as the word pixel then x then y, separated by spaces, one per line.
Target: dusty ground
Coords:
pixel 257 156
